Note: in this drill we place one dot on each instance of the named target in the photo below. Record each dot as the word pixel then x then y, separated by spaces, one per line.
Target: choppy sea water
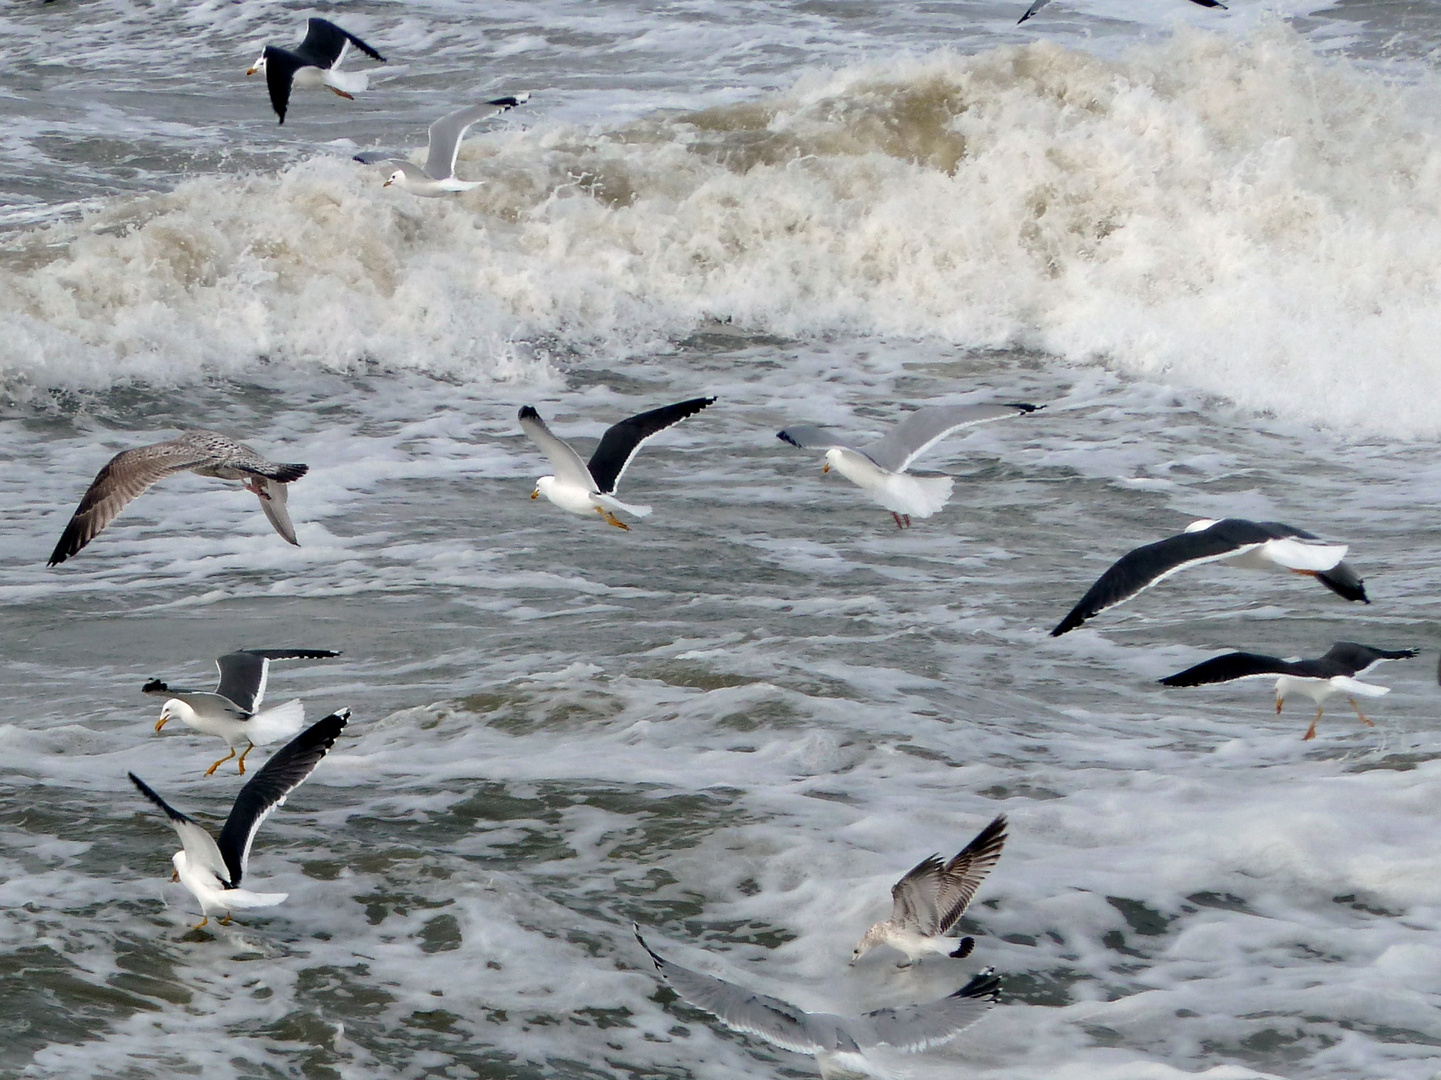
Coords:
pixel 1206 242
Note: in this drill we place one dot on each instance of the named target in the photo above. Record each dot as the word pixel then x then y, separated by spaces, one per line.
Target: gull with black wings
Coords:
pixel 232 709
pixel 1334 673
pixel 1252 545
pixel 314 62
pixel 213 869
pixel 589 487
pixel 838 1042
pixel 879 468
pixel 929 900
pixel 208 453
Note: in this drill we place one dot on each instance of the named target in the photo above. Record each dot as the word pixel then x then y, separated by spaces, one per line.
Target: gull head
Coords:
pixel 833 459
pixel 178 861
pixel 175 709
pixel 257 67
pixel 876 935
pixel 544 486
pixel 397 177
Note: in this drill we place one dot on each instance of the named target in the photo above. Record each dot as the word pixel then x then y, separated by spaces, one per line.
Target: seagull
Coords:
pixel 836 1041
pixel 1254 545
pixel 1334 673
pixel 933 896
pixel 1042 3
pixel 879 468
pixel 314 62
pixel 212 870
pixel 131 472
pixel 437 176
pixel 232 709
pixel 584 488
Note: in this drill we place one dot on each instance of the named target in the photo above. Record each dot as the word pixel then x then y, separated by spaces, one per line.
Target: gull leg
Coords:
pixel 1364 718
pixel 225 921
pixel 898 519
pixel 201 923
pixel 252 485
pixel 963 950
pixel 907 519
pixel 174 876
pixel 1311 731
pixel 611 519
pixel 243 757
pixel 340 93
pixel 211 771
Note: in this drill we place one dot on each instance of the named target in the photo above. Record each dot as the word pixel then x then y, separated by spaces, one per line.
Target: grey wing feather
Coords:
pixel 772 1019
pixel 962 876
pixel 275 510
pixel 125 477
pixel 1032 10
pixel 923 428
pixel 446 135
pixel 225 452
pixel 919 1026
pixel 199 847
pixel 243 675
pixel 568 466
pixel 375 157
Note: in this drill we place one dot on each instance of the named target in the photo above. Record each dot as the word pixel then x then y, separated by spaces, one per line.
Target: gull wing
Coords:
pixel 1231 666
pixel 1359 659
pixel 916 1027
pixel 810 437
pixel 275 511
pixel 125 477
pixel 1340 578
pixel 286 770
pixel 243 676
pixel 934 894
pixel 1032 10
pixel 621 441
pixel 200 849
pixel 280 68
pixel 325 43
pixel 568 466
pixel 772 1019
pixel 1153 563
pixel 447 133
pixel 922 429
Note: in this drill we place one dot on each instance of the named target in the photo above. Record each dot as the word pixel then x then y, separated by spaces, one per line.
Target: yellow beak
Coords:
pixel 175 875
pixel 827 467
pixel 387 183
pixel 535 494
pixel 161 722
pixel 252 71
pixel 1278 707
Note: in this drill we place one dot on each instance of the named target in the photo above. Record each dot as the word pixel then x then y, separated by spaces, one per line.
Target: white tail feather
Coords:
pixel 1295 554
pixel 918 496
pixel 244 898
pixel 1357 688
pixel 611 503
pixel 272 725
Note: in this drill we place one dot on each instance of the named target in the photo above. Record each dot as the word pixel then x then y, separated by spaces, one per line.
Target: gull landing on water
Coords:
pixel 879 468
pixel 211 869
pixel 1253 545
pixel 131 472
pixel 1334 673
pixel 232 709
pixel 930 899
pixel 584 488
pixel 314 62
pixel 437 176
pixel 838 1042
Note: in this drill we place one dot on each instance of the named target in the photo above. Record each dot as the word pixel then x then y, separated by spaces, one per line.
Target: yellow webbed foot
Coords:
pixel 211 771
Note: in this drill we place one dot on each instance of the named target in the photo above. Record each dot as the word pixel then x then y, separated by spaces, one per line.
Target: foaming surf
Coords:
pixel 1245 219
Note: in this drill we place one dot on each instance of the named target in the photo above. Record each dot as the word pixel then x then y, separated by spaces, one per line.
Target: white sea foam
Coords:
pixel 1245 219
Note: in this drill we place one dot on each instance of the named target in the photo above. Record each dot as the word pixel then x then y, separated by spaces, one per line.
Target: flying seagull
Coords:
pixel 837 1042
pixel 929 900
pixel 130 472
pixel 212 870
pixel 437 176
pixel 1042 3
pixel 589 487
pixel 314 62
pixel 879 468
pixel 1254 545
pixel 1334 673
pixel 232 709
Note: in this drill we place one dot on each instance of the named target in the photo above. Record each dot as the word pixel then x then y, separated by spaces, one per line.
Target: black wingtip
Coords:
pixel 1069 623
pixel 785 437
pixel 1024 406
pixel 985 985
pixel 287 474
pixel 656 960
pixel 527 412
pixel 155 686
pixel 964 949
